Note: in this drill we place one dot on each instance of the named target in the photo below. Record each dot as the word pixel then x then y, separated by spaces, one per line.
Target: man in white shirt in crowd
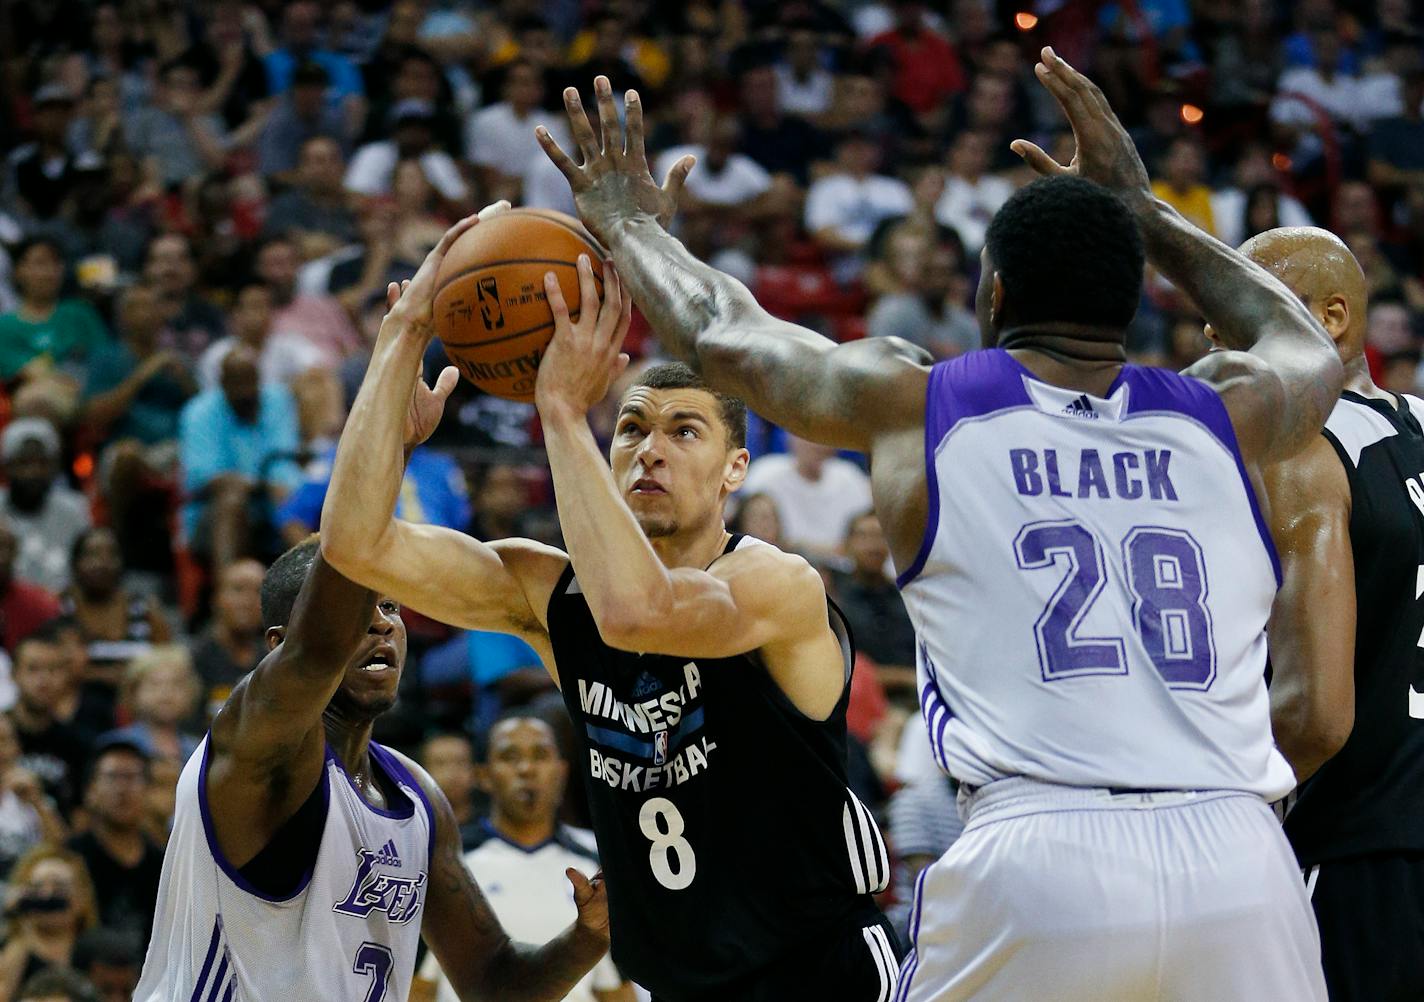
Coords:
pixel 803 85
pixel 373 168
pixel 522 851
pixel 724 178
pixel 971 194
pixel 499 139
pixel 817 494
pixel 844 207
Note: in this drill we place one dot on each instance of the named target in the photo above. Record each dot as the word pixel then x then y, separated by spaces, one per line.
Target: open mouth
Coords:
pixel 648 486
pixel 382 659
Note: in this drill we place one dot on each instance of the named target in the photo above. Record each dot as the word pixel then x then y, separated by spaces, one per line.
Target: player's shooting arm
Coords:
pixel 838 394
pixel 445 574
pixel 1312 629
pixel 476 954
pixel 758 599
pixel 1284 376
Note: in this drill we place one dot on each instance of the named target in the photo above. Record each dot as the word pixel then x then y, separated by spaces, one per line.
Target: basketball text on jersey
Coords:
pixel 668 717
pixel 376 891
pixel 1135 476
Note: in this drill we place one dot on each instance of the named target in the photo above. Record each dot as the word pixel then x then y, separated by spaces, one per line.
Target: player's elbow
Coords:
pixel 1310 736
pixel 629 626
pixel 352 556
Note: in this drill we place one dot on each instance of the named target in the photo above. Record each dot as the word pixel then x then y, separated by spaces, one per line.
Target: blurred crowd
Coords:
pixel 201 206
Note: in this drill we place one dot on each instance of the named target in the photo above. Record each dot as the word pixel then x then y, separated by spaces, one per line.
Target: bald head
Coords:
pixel 1316 265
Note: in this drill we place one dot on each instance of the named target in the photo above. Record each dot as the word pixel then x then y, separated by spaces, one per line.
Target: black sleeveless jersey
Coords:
pixel 725 827
pixel 1370 796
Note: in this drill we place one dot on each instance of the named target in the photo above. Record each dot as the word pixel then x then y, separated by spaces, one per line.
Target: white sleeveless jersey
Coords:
pixel 1092 592
pixel 349 932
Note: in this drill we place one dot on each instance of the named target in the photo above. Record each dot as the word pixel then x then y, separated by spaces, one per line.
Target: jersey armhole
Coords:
pixel 283 868
pixel 1343 455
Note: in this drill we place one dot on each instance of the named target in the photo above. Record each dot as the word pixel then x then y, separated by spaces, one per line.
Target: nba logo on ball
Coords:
pixel 660 746
pixel 490 310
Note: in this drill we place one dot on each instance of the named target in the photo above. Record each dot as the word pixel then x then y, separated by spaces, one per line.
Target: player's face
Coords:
pixel 525 773
pixel 373 674
pixel 671 459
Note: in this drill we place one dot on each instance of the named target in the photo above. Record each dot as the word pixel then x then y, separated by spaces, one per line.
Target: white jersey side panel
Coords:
pixel 350 932
pixel 1092 596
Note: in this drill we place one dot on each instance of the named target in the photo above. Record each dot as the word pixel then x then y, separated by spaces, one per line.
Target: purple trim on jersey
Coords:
pixel 398 772
pixel 232 872
pixel 218 978
pixel 912 959
pixel 380 758
pixel 1163 390
pixel 208 962
pixel 969 386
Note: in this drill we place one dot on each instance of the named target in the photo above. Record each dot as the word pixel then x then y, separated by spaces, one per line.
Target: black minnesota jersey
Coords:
pixel 1370 796
pixel 725 827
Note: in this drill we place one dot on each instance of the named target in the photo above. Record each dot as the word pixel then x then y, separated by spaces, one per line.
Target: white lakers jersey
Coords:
pixel 1093 588
pixel 350 931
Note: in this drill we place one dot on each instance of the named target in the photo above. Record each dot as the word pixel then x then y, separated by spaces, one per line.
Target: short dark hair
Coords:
pixel 58 981
pixel 29 243
pixel 481 745
pixel 284 579
pixel 678 376
pixel 1068 251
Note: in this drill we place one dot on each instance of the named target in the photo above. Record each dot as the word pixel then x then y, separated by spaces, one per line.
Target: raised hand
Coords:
pixel 591 899
pixel 1105 152
pixel 412 304
pixel 614 182
pixel 584 358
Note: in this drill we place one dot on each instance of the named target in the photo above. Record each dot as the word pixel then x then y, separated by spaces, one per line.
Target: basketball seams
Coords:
pixel 489 265
pixel 573 316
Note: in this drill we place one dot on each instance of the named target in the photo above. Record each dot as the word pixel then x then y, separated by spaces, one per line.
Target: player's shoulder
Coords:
pixel 1355 424
pixel 777 577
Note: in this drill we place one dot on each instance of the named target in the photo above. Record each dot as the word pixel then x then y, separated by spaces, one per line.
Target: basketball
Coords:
pixel 491 312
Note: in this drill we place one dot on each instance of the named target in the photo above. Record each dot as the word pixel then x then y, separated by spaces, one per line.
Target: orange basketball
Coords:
pixel 491 312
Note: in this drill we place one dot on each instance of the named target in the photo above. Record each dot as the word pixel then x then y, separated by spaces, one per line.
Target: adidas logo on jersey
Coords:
pixel 1081 407
pixel 388 855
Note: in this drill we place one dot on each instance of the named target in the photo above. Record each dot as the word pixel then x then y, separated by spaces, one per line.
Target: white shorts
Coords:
pixel 1057 894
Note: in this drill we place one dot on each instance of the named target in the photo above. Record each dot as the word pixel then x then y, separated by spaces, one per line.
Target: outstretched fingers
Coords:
pixel 633 147
pixel 1040 161
pixel 608 118
pixel 588 290
pixel 579 125
pixel 561 160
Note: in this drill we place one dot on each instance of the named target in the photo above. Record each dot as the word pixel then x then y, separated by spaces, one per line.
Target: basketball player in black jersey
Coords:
pixel 706 674
pixel 1348 517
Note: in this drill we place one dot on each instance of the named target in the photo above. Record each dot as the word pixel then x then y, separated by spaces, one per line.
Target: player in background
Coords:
pixel 1082 554
pixel 1348 517
pixel 738 863
pixel 307 860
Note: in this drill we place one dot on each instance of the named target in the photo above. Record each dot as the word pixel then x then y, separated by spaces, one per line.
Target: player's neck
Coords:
pixel 351 741
pixel 1358 380
pixel 693 548
pixel 525 833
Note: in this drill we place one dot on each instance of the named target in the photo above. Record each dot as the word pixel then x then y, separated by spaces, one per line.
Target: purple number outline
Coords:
pixel 1135 536
pixel 377 961
pixel 1097 581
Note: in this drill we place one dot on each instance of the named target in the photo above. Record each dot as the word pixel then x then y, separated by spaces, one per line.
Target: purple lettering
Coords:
pixel 1091 475
pixel 1128 486
pixel 1050 469
pixel 1159 480
pixel 1026 478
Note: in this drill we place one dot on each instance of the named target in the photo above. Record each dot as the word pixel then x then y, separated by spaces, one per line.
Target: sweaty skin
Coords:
pixel 1312 628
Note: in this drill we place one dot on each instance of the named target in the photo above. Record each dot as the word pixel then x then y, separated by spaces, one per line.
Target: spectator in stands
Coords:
pixel 24 607
pixel 1396 145
pixel 608 47
pixel 1230 205
pixel 301 115
pixel 45 330
pixel 781 142
pixel 41 175
pixel 417 77
pixel 817 494
pixel 57 984
pixel 191 322
pixel 44 513
pixel 502 496
pixel 412 132
pixel 118 625
pixel 161 691
pixel 729 183
pixel 232 644
pixel 971 193
pixel 54 751
pixel 53 906
pixel 927 67
pixel 90 694
pixel 237 447
pixel 758 517
pixel 318 320
pixel 868 597
pixel 232 76
pixel 301 29
pixel 111 961
pixel 1182 182
pixel 28 816
pixel 844 207
pixel 499 139
pixel 450 760
pixel 523 851
pixel 123 862
pixel 174 138
pixel 803 85
pixel 315 211
pixel 282 355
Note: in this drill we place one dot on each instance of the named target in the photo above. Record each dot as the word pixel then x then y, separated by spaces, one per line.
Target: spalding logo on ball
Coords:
pixel 490 308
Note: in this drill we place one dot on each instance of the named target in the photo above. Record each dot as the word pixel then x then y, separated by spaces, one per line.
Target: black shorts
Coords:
pixel 1371 915
pixel 856 963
